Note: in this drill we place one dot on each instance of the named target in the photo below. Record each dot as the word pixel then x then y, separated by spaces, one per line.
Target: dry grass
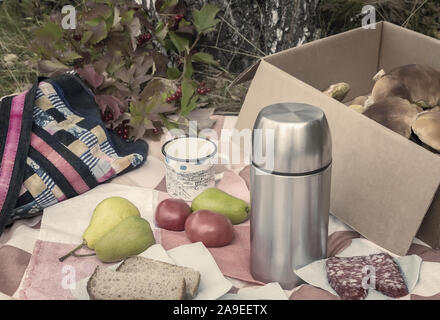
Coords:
pixel 226 99
pixel 17 62
pixel 335 16
pixel 18 71
pixel 420 15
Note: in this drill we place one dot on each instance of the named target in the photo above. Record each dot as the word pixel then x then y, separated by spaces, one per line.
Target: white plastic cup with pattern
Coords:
pixel 190 166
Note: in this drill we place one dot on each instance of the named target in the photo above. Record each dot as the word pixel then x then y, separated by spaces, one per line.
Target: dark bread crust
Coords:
pixel 89 285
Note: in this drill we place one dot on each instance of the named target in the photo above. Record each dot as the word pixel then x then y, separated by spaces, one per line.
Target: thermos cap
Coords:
pixel 294 138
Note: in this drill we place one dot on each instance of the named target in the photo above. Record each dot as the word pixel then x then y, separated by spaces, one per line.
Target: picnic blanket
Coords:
pixel 54 146
pixel 29 266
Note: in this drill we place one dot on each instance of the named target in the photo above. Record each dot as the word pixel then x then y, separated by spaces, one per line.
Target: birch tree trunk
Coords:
pixel 254 28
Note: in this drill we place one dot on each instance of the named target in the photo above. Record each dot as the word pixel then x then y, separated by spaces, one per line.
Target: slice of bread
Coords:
pixel 141 264
pixel 107 284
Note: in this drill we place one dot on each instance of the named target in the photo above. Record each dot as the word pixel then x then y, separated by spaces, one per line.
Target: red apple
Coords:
pixel 211 228
pixel 171 214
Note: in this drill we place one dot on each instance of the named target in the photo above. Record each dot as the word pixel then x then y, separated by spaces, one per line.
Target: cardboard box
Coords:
pixel 383 185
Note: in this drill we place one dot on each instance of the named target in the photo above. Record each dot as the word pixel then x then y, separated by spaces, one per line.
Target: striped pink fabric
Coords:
pixel 107 176
pixel 11 145
pixel 60 163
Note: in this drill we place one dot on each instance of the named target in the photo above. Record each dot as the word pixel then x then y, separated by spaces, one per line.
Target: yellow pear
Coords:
pixel 107 215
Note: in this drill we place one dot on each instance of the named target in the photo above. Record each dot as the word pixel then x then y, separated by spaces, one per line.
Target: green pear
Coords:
pixel 129 238
pixel 214 199
pixel 108 214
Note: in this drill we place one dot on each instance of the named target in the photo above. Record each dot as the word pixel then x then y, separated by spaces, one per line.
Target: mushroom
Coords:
pixel 427 128
pixel 419 84
pixel 338 91
pixel 379 75
pixel 359 100
pixel 394 113
pixel 361 103
pixel 357 107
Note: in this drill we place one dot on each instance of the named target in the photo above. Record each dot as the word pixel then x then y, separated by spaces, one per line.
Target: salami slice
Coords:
pixel 345 276
pixel 389 278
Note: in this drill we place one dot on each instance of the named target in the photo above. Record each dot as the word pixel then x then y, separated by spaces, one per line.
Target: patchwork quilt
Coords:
pixel 54 146
pixel 29 250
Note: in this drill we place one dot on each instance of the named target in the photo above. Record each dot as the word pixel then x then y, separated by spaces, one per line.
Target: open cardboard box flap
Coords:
pixel 383 185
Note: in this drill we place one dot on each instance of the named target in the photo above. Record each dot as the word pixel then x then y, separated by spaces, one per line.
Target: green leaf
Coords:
pixel 169 124
pixel 168 44
pixel 70 56
pixel 181 43
pixel 135 120
pixel 86 37
pixel 188 89
pixel 127 16
pixel 49 66
pixel 173 73
pixel 184 23
pixel 204 19
pixel 161 31
pixel 50 32
pixel 148 125
pixel 152 88
pixel 190 107
pixel 188 68
pixel 109 21
pixel 94 22
pixel 99 31
pixel 115 67
pixel 203 57
pixel 153 102
pixel 136 109
pixel 168 4
pixel 185 27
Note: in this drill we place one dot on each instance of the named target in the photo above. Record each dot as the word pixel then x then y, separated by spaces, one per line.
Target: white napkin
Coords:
pixel 156 252
pixel 212 282
pixel 66 221
pixel 316 275
pixel 271 291
pixel 195 255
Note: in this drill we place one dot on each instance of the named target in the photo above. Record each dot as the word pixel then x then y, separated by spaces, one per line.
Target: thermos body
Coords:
pixel 290 183
pixel 289 224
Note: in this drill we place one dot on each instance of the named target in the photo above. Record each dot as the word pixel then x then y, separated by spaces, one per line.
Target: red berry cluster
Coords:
pixel 145 37
pixel 177 19
pixel 202 91
pixel 175 96
pixel 122 130
pixel 107 116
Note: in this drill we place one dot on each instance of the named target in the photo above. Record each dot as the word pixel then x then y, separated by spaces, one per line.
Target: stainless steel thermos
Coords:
pixel 290 191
